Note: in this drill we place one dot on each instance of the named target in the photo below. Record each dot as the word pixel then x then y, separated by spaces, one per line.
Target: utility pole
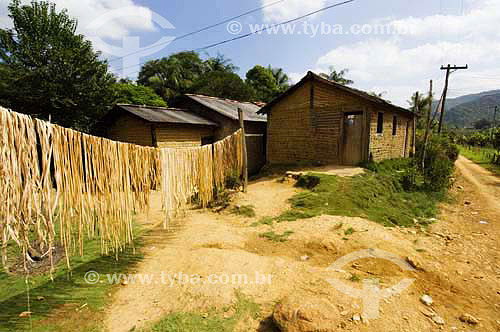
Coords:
pixel 448 69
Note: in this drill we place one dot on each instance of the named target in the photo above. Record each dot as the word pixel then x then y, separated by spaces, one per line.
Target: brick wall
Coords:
pixel 386 145
pixel 289 138
pixel 130 129
pixel 181 136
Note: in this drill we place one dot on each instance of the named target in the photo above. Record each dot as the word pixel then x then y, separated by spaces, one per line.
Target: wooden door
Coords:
pixel 353 139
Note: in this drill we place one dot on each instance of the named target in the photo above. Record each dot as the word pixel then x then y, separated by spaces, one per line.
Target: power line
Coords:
pixel 202 29
pixel 275 25
pixel 272 26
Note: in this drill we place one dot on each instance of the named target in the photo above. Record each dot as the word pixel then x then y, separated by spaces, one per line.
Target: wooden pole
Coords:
pixel 427 127
pixel 414 142
pixel 244 144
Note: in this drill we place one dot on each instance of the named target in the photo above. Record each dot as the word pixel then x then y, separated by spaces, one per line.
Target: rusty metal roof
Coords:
pixel 166 115
pixel 229 108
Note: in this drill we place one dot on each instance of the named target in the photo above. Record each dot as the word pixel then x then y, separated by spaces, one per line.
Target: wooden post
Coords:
pixel 245 156
pixel 416 110
pixel 427 128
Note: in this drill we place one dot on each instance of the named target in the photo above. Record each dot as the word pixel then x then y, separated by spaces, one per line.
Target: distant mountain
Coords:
pixel 465 110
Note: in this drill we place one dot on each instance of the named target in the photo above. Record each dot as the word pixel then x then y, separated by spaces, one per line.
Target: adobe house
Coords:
pixel 224 112
pixel 158 127
pixel 318 120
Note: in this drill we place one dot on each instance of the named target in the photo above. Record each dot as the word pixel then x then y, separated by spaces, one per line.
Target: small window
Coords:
pixel 380 123
pixel 394 125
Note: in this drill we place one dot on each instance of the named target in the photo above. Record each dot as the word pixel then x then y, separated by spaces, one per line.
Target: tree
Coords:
pixel 220 63
pixel 262 80
pixel 282 79
pixel 423 108
pixel 172 76
pixel 337 76
pixel 127 93
pixel 224 84
pixel 52 70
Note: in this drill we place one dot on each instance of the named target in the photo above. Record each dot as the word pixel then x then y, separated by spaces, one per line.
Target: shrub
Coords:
pixel 233 181
pixel 307 181
pixel 439 162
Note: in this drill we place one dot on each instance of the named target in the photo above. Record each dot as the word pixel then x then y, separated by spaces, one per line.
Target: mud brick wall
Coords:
pixel 289 138
pixel 386 145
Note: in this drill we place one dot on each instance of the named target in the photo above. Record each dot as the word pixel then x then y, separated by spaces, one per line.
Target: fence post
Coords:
pixel 244 143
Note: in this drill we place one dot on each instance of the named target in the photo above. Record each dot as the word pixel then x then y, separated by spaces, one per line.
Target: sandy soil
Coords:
pixel 459 257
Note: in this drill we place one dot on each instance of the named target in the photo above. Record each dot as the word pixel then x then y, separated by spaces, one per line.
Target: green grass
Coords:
pixel 355 278
pixel 264 221
pixel 244 210
pixel 481 156
pixel 213 321
pixel 275 237
pixel 62 297
pixel 376 195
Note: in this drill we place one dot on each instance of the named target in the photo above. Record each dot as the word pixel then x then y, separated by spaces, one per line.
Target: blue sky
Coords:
pixel 437 32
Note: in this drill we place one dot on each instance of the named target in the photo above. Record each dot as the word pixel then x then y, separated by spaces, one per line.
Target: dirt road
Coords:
pixel 459 259
pixel 487 183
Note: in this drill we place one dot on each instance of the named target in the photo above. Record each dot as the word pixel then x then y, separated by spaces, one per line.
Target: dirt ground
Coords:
pixel 458 258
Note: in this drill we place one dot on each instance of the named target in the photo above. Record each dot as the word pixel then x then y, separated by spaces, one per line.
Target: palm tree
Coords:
pixel 337 76
pixel 220 63
pixel 281 78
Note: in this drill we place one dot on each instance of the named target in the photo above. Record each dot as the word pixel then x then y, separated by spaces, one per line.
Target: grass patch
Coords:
pixel 62 297
pixel 355 278
pixel 272 236
pixel 481 156
pixel 214 321
pixel 244 210
pixel 264 221
pixel 377 195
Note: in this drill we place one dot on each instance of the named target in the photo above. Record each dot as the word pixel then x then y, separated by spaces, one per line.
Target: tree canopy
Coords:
pixel 50 70
pixel 186 72
pixel 172 76
pixel 224 85
pixel 263 82
pixel 128 93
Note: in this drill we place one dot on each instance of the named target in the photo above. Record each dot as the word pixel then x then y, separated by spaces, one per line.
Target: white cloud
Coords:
pixel 137 18
pixel 481 21
pixel 401 66
pixel 289 9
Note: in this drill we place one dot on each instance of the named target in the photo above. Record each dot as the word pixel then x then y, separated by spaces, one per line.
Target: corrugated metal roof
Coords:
pixel 229 107
pixel 166 115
